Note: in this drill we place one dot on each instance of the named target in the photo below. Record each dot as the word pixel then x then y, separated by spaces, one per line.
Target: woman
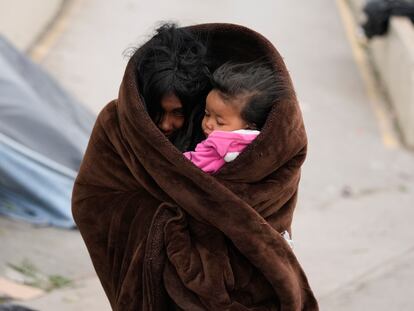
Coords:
pixel 172 74
pixel 164 235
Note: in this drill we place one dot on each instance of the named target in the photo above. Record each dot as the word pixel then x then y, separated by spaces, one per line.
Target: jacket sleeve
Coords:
pixel 208 155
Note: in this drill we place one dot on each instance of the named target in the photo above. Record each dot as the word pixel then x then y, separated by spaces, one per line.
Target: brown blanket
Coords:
pixel 163 235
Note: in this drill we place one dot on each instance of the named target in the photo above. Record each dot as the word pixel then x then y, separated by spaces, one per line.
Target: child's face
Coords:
pixel 221 116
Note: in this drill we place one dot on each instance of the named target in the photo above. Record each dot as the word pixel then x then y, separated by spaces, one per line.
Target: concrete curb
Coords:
pixel 384 113
pixel 392 57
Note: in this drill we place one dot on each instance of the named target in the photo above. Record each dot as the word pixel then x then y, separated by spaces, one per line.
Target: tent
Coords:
pixel 43 135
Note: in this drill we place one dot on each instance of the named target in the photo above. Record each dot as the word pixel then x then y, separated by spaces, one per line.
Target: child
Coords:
pixel 236 109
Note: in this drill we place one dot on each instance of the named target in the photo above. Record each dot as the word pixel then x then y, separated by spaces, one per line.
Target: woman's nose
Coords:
pixel 165 124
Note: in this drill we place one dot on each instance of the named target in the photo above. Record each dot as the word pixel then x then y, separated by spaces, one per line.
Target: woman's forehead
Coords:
pixel 170 102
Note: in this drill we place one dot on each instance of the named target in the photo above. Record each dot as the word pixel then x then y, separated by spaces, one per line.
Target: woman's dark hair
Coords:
pixel 254 85
pixel 173 61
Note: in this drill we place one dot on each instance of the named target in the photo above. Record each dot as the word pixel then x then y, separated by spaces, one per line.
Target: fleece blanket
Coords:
pixel 164 235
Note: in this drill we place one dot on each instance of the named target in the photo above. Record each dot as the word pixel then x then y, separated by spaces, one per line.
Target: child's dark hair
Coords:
pixel 254 85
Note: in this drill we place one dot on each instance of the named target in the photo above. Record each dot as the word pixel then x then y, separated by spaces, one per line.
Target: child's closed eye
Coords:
pixel 220 122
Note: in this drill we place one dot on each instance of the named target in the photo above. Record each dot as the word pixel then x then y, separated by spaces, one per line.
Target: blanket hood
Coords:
pixel 283 135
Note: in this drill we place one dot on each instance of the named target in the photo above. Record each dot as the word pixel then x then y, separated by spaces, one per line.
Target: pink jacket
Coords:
pixel 220 147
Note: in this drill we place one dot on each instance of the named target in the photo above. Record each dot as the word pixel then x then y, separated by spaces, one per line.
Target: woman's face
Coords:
pixel 173 115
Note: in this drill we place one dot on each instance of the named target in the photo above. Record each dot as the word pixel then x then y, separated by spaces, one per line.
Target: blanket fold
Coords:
pixel 164 235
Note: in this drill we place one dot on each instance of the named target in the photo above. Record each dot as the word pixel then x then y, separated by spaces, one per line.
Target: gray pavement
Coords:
pixel 352 227
pixel 22 21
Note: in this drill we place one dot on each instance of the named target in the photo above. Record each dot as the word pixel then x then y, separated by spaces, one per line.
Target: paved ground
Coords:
pixel 22 22
pixel 353 229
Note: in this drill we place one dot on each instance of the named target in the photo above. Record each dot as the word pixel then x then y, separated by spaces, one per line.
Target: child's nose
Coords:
pixel 209 124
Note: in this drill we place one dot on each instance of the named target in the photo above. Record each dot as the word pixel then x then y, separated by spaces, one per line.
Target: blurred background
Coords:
pixel 352 63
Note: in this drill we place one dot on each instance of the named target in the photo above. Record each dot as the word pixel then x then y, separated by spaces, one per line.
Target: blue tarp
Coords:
pixel 43 135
